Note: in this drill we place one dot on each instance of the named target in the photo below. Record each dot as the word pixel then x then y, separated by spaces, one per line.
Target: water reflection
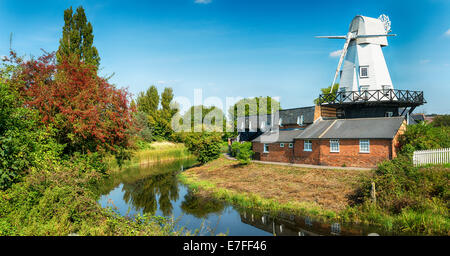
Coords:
pixel 155 189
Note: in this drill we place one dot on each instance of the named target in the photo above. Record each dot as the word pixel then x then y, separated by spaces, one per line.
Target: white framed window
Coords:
pixel 363 71
pixel 300 120
pixel 281 145
pixel 307 145
pixel 266 148
pixel 262 125
pixel 280 122
pixel 334 145
pixel 291 145
pixel 249 125
pixel 364 146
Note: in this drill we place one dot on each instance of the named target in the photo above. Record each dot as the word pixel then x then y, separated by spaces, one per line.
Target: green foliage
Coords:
pixel 408 198
pixel 424 136
pixel 245 152
pixel 441 120
pixel 60 201
pixel 140 128
pixel 78 38
pixel 158 120
pixel 327 91
pixel 148 102
pixel 23 142
pixel 205 146
pixel 209 119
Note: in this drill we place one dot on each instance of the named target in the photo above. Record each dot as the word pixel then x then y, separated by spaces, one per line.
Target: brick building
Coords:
pixel 360 142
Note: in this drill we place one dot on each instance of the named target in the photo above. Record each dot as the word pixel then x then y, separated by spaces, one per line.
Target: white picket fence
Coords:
pixel 432 156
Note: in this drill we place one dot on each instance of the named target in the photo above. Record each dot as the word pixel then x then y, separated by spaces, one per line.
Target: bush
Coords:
pixel 424 136
pixel 245 152
pixel 235 148
pixel 405 192
pixel 205 146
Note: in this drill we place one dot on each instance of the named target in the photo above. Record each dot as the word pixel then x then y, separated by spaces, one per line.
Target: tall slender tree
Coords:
pixel 78 38
pixel 148 102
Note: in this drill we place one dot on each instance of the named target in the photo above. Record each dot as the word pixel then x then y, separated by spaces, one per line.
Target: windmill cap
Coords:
pixel 362 25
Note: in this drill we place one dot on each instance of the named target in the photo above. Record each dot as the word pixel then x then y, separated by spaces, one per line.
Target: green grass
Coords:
pixel 254 201
pixel 152 152
pixel 410 200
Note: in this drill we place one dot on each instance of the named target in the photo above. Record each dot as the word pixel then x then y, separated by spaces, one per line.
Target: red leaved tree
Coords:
pixel 88 113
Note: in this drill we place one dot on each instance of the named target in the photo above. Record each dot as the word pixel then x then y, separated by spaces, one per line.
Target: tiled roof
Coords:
pixel 278 136
pixel 358 128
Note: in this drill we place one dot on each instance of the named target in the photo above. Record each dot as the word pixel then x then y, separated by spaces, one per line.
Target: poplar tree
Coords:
pixel 77 38
pixel 148 102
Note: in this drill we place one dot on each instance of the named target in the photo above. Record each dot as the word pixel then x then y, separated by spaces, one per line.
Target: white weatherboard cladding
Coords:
pixel 365 55
pixel 369 26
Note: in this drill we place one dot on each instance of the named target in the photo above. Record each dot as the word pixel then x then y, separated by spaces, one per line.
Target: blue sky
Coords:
pixel 241 48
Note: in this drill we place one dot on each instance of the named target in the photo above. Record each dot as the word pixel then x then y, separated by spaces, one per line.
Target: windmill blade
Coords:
pixel 344 52
pixel 332 37
pixel 365 36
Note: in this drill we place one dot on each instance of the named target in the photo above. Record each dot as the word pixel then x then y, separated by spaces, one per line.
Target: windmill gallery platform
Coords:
pixel 358 124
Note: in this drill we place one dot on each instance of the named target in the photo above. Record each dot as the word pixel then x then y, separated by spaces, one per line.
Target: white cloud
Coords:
pixel 336 54
pixel 447 33
pixel 202 1
pixel 424 61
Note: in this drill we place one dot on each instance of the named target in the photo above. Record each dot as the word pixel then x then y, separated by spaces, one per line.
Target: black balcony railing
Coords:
pixel 389 96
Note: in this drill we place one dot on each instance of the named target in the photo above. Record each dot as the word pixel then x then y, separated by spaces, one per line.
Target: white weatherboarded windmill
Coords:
pixel 364 66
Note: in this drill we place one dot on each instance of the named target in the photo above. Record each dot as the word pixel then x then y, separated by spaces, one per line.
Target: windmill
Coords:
pixel 364 66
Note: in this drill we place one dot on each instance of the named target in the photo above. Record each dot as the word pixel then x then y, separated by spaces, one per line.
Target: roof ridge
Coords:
pixel 326 130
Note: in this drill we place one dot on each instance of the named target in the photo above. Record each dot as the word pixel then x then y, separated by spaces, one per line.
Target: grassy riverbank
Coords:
pixel 331 195
pixel 322 193
pixel 60 200
pixel 152 152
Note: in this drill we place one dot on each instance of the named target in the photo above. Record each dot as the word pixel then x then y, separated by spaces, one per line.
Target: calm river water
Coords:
pixel 155 189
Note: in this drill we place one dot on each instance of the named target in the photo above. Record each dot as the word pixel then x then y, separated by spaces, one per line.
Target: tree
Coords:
pixel 88 113
pixel 327 91
pixel 78 38
pixel 441 120
pixel 148 102
pixel 205 146
pixel 23 142
pixel 166 100
pixel 253 106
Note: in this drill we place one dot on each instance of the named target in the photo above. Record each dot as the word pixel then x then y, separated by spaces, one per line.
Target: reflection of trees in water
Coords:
pixel 143 193
pixel 152 185
pixel 199 206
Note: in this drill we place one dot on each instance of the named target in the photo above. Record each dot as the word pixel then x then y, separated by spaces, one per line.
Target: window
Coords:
pixel 364 146
pixel 280 122
pixel 300 120
pixel 266 148
pixel 291 145
pixel 388 114
pixel 281 145
pixel 249 125
pixel 363 72
pixel 334 145
pixel 307 145
pixel 262 125
pixel 385 89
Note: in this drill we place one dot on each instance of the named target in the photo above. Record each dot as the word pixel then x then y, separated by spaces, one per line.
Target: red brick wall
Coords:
pixel 306 157
pixel 276 153
pixel 349 155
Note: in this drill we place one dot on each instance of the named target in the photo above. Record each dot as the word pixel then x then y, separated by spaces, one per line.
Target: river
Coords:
pixel 155 189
